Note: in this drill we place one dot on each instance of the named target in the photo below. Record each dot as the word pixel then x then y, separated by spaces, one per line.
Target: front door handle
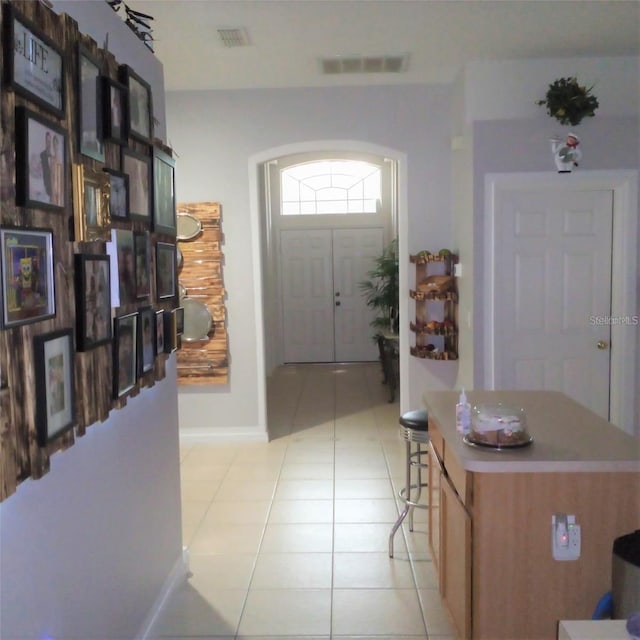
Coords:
pixel 338 303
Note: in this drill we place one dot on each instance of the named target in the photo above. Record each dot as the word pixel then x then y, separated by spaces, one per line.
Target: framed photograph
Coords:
pixel 41 151
pixel 91 195
pixel 139 111
pixel 165 270
pixel 126 263
pixel 28 293
pixel 142 251
pixel 118 194
pixel 34 64
pixel 179 313
pixel 89 92
pixel 160 331
pixel 164 193
pixel 170 332
pixel 125 351
pixel 54 379
pixel 93 300
pixel 138 168
pixel 146 340
pixel 114 100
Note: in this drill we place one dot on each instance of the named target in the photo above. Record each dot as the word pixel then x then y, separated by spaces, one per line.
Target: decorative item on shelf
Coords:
pixel 436 284
pixel 566 153
pixel 569 102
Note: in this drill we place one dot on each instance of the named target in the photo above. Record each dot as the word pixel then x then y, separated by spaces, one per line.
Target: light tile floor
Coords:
pixel 289 539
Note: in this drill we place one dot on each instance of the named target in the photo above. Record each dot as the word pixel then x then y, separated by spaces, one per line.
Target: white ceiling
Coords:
pixel 289 36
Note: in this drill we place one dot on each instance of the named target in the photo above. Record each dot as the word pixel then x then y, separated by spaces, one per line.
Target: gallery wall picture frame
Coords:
pixel 34 64
pixel 54 356
pixel 91 195
pixel 125 252
pixel 164 193
pixel 146 340
pixel 139 104
pixel 138 168
pixel 159 331
pixel 41 152
pixel 93 300
pixel 170 331
pixel 118 194
pixel 28 289
pixel 165 270
pixel 114 103
pixel 142 251
pixel 125 354
pixel 89 109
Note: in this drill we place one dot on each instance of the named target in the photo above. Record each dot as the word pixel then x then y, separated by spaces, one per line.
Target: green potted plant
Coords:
pixel 381 290
pixel 569 102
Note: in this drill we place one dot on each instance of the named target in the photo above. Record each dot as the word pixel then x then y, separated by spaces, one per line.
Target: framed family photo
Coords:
pixel 93 300
pixel 118 194
pixel 91 195
pixel 125 351
pixel 146 340
pixel 138 169
pixel 139 110
pixel 165 270
pixel 28 293
pixel 54 380
pixel 164 193
pixel 126 265
pixel 89 92
pixel 41 151
pixel 114 101
pixel 142 251
pixel 34 64
pixel 170 331
pixel 160 331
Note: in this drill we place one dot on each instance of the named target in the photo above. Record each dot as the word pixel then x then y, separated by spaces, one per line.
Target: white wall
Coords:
pixel 215 142
pixel 86 550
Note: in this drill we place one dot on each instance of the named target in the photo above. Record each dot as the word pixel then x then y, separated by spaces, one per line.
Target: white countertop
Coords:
pixel 593 630
pixel 566 435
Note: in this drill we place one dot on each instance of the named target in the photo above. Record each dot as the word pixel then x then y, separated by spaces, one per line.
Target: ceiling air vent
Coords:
pixel 364 64
pixel 234 37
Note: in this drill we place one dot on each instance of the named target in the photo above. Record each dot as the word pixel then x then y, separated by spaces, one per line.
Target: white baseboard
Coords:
pixel 223 434
pixel 178 574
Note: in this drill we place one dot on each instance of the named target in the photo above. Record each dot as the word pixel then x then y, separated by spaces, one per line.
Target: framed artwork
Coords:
pixel 114 101
pixel 146 340
pixel 164 193
pixel 179 313
pixel 139 111
pixel 170 332
pixel 34 64
pixel 28 293
pixel 125 350
pixel 160 331
pixel 89 92
pixel 41 151
pixel 138 168
pixel 54 379
pixel 142 251
pixel 165 270
pixel 91 195
pixel 93 300
pixel 118 194
pixel 125 259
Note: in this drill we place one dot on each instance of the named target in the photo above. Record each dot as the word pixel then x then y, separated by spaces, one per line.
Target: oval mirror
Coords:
pixel 179 258
pixel 197 320
pixel 188 226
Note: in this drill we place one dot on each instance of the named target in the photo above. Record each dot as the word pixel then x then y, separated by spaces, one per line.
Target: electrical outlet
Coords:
pixel 565 537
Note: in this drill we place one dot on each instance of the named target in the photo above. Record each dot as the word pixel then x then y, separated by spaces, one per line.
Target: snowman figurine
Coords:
pixel 566 153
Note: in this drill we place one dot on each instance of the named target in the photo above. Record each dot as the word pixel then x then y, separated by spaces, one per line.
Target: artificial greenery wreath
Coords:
pixel 569 102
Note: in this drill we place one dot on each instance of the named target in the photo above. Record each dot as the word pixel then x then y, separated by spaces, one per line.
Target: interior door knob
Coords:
pixel 338 303
pixel 602 344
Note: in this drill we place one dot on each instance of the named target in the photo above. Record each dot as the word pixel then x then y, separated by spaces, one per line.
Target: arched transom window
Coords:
pixel 330 187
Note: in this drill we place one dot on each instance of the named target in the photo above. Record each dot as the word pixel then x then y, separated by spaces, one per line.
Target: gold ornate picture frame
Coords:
pixel 91 191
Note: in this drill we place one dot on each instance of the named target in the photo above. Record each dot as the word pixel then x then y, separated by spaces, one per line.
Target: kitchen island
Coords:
pixel 490 514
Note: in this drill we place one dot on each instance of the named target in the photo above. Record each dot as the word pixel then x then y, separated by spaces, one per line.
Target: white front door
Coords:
pixel 325 317
pixel 552 292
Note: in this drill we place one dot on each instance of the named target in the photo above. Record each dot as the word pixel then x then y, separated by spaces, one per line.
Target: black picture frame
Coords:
pixel 41 160
pixel 125 354
pixel 89 109
pixel 165 270
pixel 119 194
pixel 137 167
pixel 146 340
pixel 164 193
pixel 34 64
pixel 142 252
pixel 126 263
pixel 179 313
pixel 54 355
pixel 139 104
pixel 170 331
pixel 93 300
pixel 28 281
pixel 114 103
pixel 159 331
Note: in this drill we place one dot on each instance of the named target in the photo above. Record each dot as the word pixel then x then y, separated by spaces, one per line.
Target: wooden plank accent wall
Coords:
pixel 204 362
pixel 20 455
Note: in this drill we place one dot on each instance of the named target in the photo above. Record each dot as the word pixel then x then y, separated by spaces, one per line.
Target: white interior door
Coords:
pixel 325 316
pixel 552 292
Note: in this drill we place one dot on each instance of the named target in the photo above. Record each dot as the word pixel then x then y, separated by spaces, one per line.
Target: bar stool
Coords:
pixel 414 430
